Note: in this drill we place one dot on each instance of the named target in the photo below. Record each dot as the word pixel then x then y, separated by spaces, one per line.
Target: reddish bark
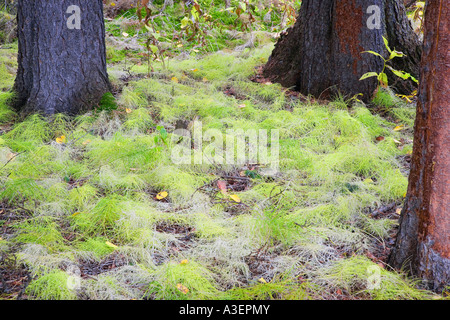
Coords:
pixel 423 242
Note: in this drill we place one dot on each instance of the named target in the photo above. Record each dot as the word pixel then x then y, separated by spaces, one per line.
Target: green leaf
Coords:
pixel 403 75
pixel 184 22
pixel 163 133
pixel 195 14
pixel 369 75
pixel 386 43
pixel 382 77
pixel 396 54
pixel 374 53
pixel 153 48
pixel 399 73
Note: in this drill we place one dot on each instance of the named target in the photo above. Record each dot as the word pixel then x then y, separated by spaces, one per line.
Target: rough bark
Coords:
pixel 322 53
pixel 402 38
pixel 423 242
pixel 60 69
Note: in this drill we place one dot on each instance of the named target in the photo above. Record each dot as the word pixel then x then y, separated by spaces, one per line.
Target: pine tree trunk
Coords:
pixel 61 68
pixel 402 38
pixel 423 241
pixel 322 53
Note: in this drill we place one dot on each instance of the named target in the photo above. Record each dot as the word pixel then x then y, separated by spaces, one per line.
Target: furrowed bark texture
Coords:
pixel 322 53
pixel 60 69
pixel 402 38
pixel 423 241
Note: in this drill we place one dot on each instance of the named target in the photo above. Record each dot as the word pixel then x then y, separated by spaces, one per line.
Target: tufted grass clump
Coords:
pixel 6 112
pixel 282 287
pixel 33 131
pixel 96 246
pixel 101 219
pixel 180 281
pixel 51 286
pixel 360 276
pixel 43 231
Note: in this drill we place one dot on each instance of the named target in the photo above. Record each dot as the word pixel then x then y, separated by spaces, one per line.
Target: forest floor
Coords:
pixel 94 207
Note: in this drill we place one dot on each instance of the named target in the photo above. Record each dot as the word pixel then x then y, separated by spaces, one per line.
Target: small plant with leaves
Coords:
pixel 154 48
pixel 417 16
pixel 196 24
pixel 162 135
pixel 382 76
pixel 244 7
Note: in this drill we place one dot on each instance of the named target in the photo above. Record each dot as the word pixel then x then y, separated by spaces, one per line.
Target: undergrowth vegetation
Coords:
pixel 85 192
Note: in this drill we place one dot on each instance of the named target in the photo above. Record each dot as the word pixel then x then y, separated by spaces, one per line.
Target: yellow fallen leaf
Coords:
pixel 113 4
pixel 174 79
pixel 182 288
pixel 398 128
pixel 162 195
pixel 205 79
pixel 109 244
pixel 61 139
pixel 75 214
pixel 194 70
pixel 368 180
pixel 128 110
pixel 398 211
pixel 262 280
pixel 185 261
pixel 235 198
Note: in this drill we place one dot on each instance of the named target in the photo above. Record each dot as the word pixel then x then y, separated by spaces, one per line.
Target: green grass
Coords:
pixel 51 286
pixel 93 197
pixel 182 281
pixel 362 277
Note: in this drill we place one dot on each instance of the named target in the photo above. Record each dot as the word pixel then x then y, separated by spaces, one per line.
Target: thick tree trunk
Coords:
pixel 401 37
pixel 322 53
pixel 62 68
pixel 423 241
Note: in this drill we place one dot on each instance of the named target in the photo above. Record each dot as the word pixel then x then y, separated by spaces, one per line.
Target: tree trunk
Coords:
pixel 402 38
pixel 62 65
pixel 423 241
pixel 321 54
